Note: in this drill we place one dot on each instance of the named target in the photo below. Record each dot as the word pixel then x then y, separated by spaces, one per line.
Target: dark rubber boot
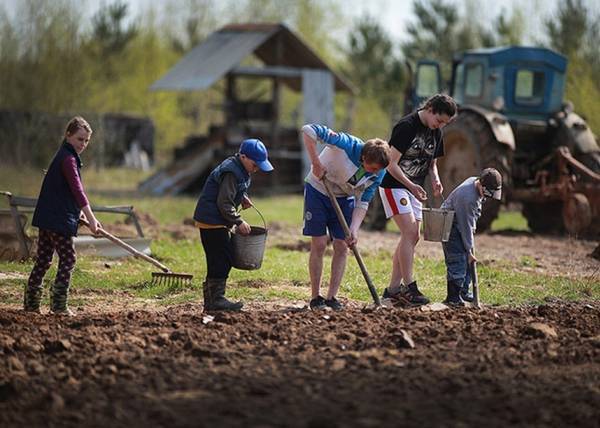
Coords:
pixel 32 298
pixel 206 294
pixel 453 290
pixel 59 296
pixel 218 302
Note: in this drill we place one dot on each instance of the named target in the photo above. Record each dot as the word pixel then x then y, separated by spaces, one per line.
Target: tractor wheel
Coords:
pixel 544 217
pixel 577 214
pixel 469 147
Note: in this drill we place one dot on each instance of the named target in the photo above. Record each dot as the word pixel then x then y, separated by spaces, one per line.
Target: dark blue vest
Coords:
pixel 56 209
pixel 206 208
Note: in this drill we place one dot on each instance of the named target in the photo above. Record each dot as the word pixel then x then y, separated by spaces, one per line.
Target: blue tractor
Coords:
pixel 512 117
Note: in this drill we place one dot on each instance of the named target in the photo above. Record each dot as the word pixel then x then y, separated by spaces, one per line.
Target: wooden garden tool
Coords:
pixel 475 285
pixel 166 276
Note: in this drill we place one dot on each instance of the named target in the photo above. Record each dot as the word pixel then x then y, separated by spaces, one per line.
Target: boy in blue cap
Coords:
pixel 216 213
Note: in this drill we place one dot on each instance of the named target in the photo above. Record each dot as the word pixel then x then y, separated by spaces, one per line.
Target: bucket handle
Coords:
pixel 261 216
pixel 443 200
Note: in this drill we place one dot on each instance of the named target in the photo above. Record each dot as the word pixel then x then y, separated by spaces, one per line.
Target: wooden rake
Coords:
pixel 357 255
pixel 166 277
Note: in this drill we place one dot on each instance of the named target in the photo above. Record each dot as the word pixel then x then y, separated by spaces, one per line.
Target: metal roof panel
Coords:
pixel 210 60
pixel 225 49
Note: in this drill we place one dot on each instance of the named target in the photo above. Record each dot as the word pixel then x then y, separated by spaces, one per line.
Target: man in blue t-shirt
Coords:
pixel 355 169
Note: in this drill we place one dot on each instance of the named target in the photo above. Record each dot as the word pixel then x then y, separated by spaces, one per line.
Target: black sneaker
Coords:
pixel 387 294
pixel 413 296
pixel 318 303
pixel 334 304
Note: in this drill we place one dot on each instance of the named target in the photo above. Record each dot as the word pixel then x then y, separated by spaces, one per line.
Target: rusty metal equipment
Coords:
pixel 573 184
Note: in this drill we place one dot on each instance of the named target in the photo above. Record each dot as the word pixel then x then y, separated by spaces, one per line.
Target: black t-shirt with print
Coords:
pixel 419 145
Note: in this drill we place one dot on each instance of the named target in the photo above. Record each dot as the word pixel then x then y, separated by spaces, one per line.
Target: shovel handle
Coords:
pixel 126 246
pixel 359 260
pixel 475 285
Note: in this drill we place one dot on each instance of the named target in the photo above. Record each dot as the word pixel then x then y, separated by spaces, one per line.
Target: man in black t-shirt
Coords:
pixel 416 143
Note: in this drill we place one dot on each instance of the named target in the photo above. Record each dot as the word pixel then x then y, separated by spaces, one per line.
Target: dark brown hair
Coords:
pixel 76 124
pixel 440 104
pixel 376 151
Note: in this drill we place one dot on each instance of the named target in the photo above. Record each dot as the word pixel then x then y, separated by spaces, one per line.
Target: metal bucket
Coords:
pixel 248 250
pixel 437 223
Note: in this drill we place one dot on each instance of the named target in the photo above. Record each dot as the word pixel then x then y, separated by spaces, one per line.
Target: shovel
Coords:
pixel 475 285
pixel 359 259
pixel 166 276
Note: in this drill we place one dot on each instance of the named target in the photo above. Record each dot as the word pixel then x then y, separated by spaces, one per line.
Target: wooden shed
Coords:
pixel 286 60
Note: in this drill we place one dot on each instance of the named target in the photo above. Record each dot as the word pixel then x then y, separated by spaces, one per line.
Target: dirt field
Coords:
pixel 527 366
pixel 277 364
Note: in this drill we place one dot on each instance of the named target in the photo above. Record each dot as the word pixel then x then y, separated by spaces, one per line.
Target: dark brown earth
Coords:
pixel 290 367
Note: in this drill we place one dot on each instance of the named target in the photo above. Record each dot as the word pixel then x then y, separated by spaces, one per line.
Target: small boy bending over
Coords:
pixel 466 202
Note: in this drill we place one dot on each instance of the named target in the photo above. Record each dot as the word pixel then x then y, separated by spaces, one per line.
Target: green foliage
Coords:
pixel 370 120
pixel 108 29
pixel 568 31
pixel 510 220
pixel 575 32
pixel 440 32
pixel 373 66
pixel 53 60
pixel 583 89
pixel 510 30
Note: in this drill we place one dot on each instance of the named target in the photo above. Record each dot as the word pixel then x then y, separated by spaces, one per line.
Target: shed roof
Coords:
pixel 224 50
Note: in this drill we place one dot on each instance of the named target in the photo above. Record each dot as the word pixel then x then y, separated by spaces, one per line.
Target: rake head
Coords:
pixel 171 279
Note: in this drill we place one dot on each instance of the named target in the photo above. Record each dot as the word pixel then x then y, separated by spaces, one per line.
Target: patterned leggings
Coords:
pixel 47 243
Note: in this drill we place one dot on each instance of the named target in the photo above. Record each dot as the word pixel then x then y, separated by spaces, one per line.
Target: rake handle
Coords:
pixel 127 247
pixel 347 232
pixel 476 302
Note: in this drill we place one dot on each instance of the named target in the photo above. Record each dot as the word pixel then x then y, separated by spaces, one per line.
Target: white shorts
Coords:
pixel 400 201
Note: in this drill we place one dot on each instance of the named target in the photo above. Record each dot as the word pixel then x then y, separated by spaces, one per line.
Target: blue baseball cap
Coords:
pixel 256 150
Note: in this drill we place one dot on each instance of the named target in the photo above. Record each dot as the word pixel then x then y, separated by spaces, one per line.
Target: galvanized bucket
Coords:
pixel 437 223
pixel 248 250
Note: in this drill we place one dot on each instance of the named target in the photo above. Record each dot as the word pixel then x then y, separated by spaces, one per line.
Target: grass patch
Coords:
pixel 284 274
pixel 510 220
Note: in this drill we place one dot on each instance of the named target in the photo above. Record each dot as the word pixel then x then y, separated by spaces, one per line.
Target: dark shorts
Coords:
pixel 319 214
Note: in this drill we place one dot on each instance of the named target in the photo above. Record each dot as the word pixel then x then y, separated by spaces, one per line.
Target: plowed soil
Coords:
pixel 278 366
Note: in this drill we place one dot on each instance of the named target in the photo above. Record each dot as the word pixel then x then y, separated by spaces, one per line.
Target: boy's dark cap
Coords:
pixel 491 181
pixel 254 149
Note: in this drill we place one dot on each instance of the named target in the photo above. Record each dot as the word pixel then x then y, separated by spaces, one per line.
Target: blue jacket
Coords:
pixel 56 209
pixel 207 210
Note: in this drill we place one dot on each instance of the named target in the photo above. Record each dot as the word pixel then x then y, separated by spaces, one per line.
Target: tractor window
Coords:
pixel 529 89
pixel 427 80
pixel 473 80
pixel 458 78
